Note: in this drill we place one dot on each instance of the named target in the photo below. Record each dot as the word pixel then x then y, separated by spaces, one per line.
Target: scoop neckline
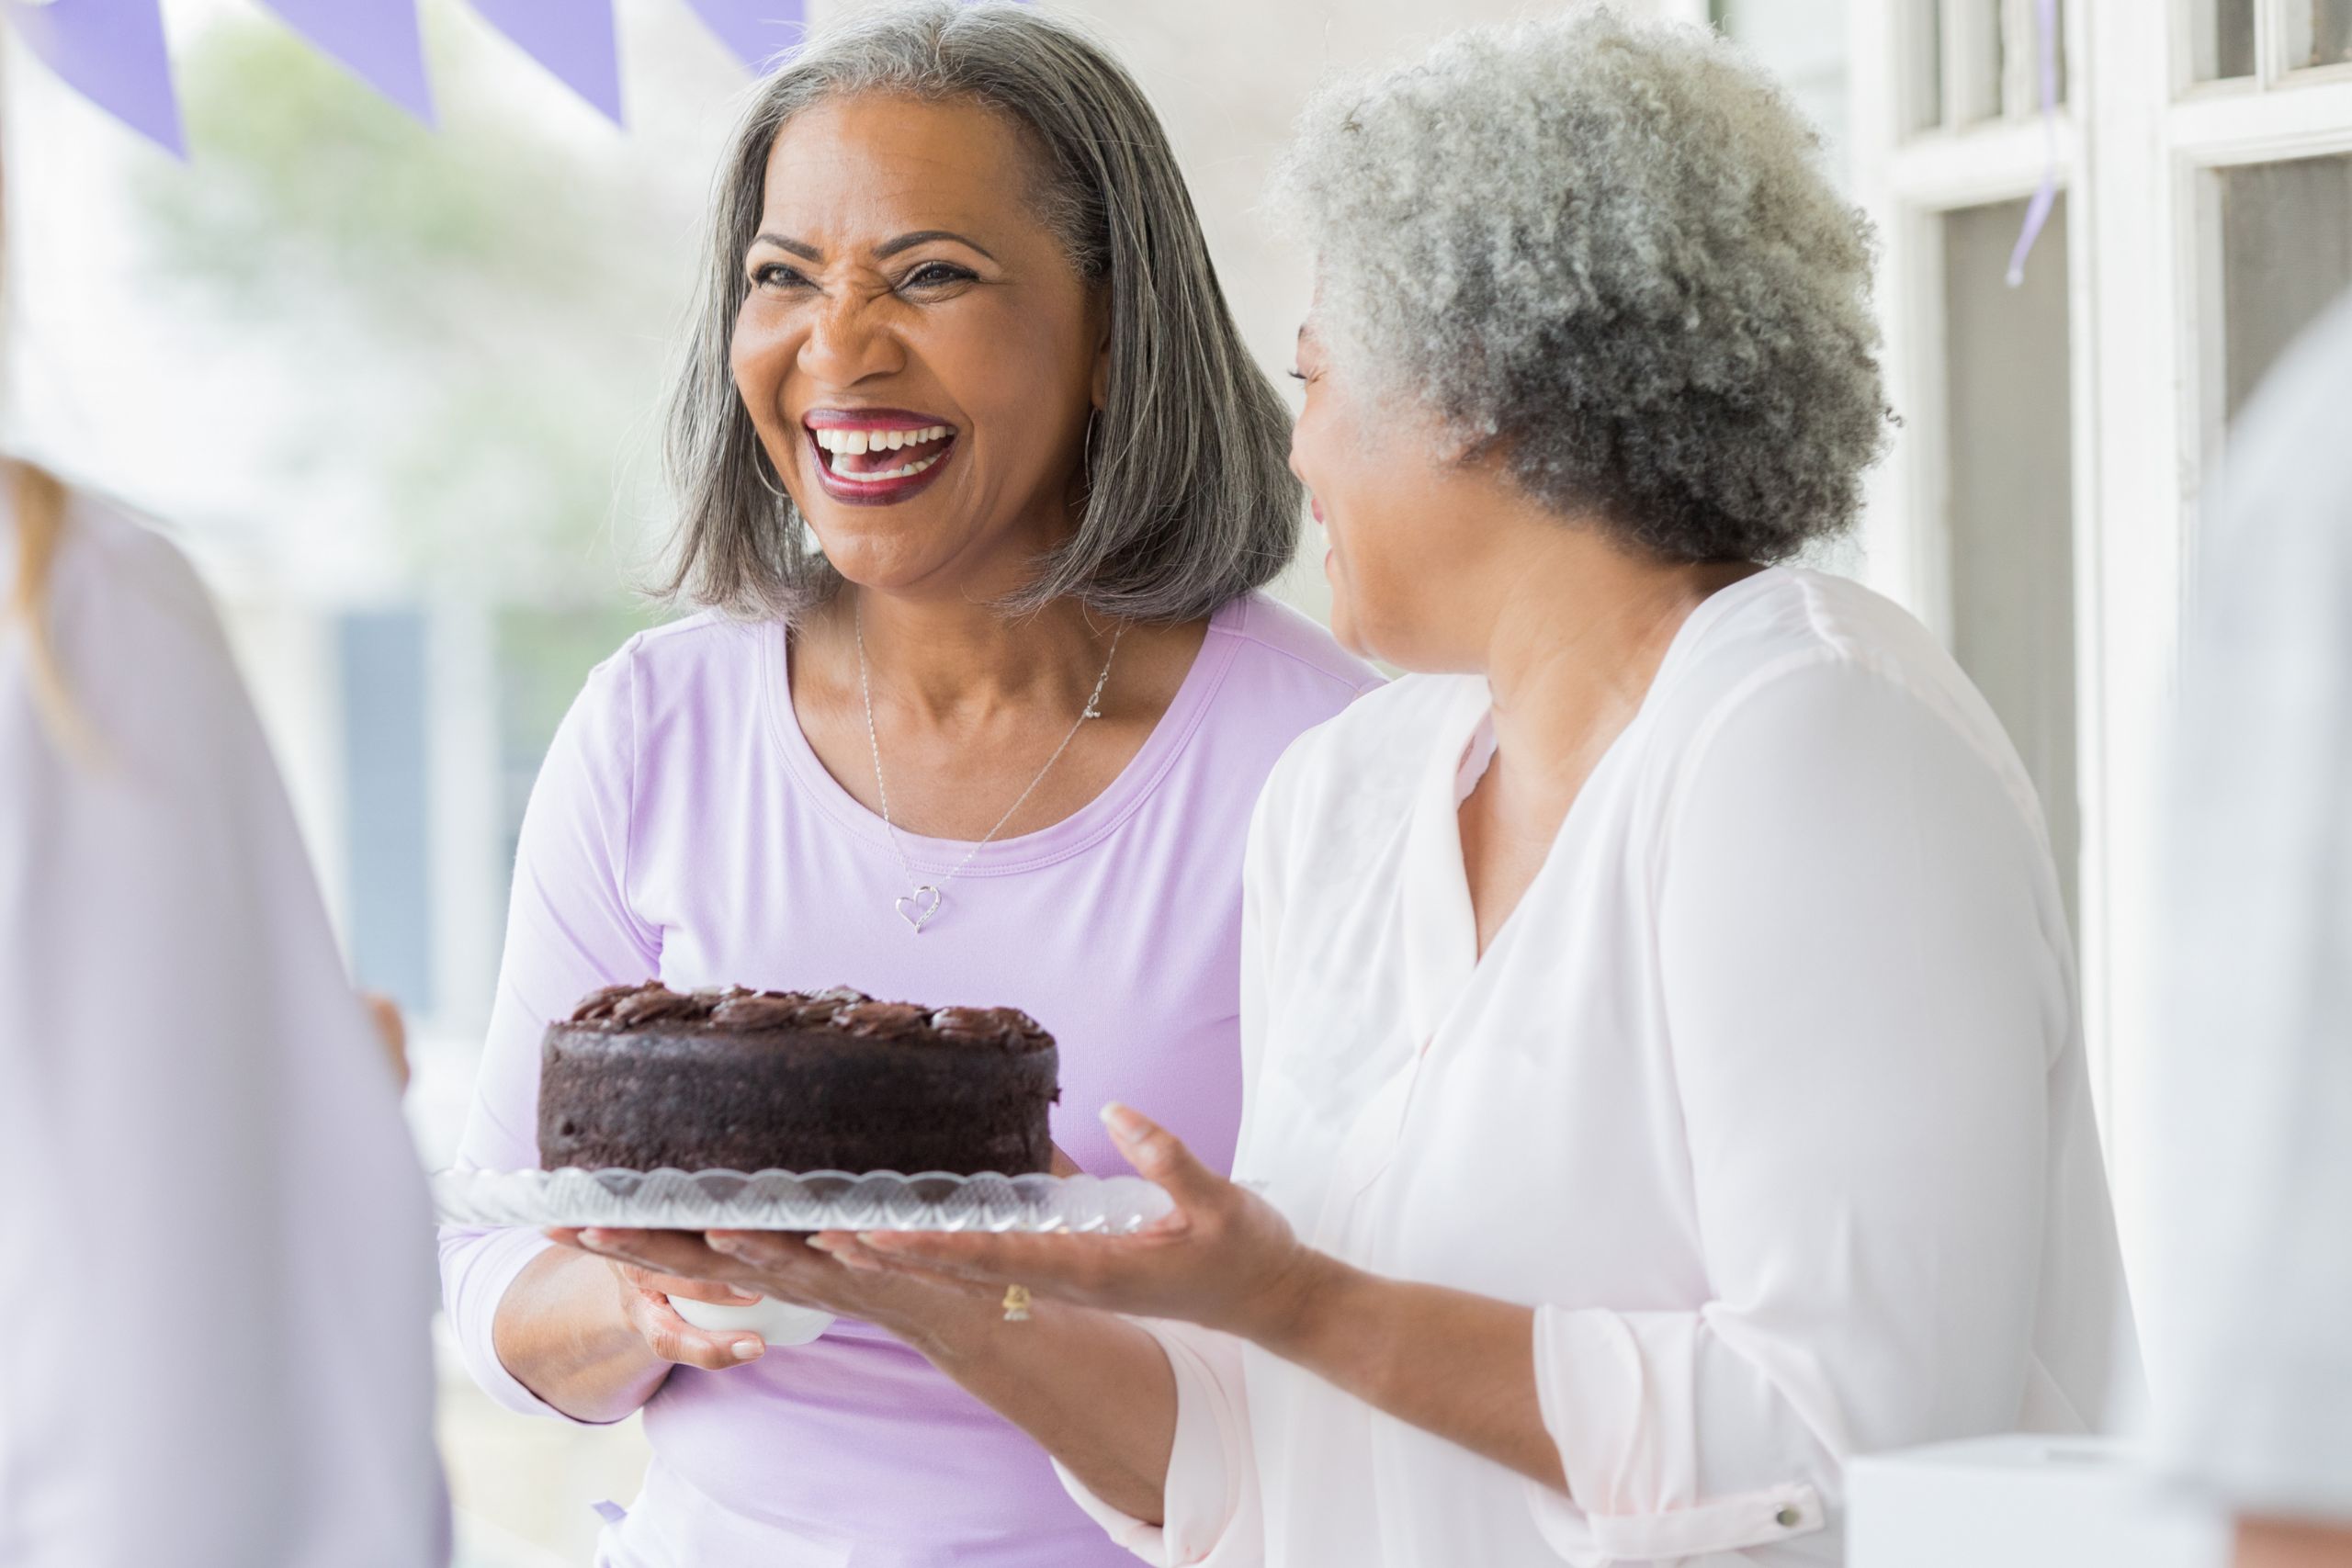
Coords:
pixel 1074 834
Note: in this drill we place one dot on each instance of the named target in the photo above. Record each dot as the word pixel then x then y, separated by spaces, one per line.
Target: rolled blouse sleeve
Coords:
pixel 570 930
pixel 1866 998
pixel 1210 1506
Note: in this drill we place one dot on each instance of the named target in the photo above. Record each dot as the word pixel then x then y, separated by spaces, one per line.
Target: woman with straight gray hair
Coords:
pixel 978 485
pixel 1664 1081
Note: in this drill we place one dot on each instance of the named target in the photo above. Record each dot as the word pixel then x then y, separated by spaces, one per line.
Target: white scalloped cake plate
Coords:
pixel 785 1201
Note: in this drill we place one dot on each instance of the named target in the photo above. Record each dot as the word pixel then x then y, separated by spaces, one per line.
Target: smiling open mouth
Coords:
pixel 883 457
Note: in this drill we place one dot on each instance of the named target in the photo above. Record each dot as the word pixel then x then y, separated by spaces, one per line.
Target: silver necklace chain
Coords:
pixel 923 899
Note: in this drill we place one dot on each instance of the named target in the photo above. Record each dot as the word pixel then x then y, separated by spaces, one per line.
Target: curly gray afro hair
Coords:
pixel 1605 252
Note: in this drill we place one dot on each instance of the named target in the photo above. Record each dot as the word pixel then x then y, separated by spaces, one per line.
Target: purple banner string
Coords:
pixel 574 39
pixel 377 40
pixel 758 32
pixel 110 52
pixel 2045 195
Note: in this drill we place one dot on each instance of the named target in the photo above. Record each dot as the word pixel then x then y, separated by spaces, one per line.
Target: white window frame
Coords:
pixel 2139 144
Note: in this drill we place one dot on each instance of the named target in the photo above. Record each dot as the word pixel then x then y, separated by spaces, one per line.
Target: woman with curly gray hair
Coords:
pixel 1658 1018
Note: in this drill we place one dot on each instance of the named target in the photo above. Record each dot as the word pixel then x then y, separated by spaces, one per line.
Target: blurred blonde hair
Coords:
pixel 39 501
pixel 40 524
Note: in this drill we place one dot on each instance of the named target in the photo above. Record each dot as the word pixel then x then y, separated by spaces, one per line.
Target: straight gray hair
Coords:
pixel 1189 500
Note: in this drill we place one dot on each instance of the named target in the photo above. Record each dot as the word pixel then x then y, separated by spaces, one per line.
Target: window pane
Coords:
pixel 1981 57
pixel 2058 53
pixel 2021 43
pixel 389 843
pixel 2011 496
pixel 2286 254
pixel 1923 68
pixel 2319 32
pixel 2222 36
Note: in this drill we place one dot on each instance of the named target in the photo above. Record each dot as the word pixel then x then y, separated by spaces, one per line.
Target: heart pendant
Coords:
pixel 917 907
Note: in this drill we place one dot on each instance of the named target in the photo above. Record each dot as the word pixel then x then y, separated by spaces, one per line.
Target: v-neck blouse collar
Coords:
pixel 1441 926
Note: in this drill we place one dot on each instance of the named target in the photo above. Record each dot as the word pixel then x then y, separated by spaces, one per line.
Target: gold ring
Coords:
pixel 1016 1303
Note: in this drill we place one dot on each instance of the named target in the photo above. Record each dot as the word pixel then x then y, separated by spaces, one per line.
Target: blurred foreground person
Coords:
pixel 216 1273
pixel 2254 1154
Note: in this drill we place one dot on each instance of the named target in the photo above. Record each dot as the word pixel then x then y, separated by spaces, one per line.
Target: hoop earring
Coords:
pixel 760 467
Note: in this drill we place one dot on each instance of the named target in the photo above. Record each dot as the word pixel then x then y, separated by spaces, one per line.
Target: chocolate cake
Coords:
pixel 643 1076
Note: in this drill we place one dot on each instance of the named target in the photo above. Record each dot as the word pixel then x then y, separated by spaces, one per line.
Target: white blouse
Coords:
pixel 216 1286
pixel 1769 1097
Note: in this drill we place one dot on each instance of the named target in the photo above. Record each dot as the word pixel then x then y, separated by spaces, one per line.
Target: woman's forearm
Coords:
pixel 1459 1365
pixel 561 1331
pixel 1092 1388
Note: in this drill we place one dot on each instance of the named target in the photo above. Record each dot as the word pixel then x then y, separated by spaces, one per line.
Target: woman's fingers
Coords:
pixel 966 1257
pixel 662 1251
pixel 1057 1264
pixel 391 1031
pixel 845 1249
pixel 761 1249
pixel 680 1254
pixel 1158 1154
pixel 802 1266
pixel 713 1291
pixel 672 1339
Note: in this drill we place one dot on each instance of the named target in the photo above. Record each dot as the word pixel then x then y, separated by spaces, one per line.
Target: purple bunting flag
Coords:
pixel 574 39
pixel 2045 195
pixel 111 52
pixel 377 39
pixel 759 32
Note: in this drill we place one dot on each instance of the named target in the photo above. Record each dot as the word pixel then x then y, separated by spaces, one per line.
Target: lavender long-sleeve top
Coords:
pixel 682 826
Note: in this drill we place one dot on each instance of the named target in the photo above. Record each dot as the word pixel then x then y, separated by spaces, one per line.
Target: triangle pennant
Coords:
pixel 372 39
pixel 574 39
pixel 758 32
pixel 111 52
pixel 377 40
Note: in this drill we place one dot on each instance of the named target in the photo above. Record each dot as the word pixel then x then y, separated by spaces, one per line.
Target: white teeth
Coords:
pixel 917 466
pixel 859 442
pixel 856 443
